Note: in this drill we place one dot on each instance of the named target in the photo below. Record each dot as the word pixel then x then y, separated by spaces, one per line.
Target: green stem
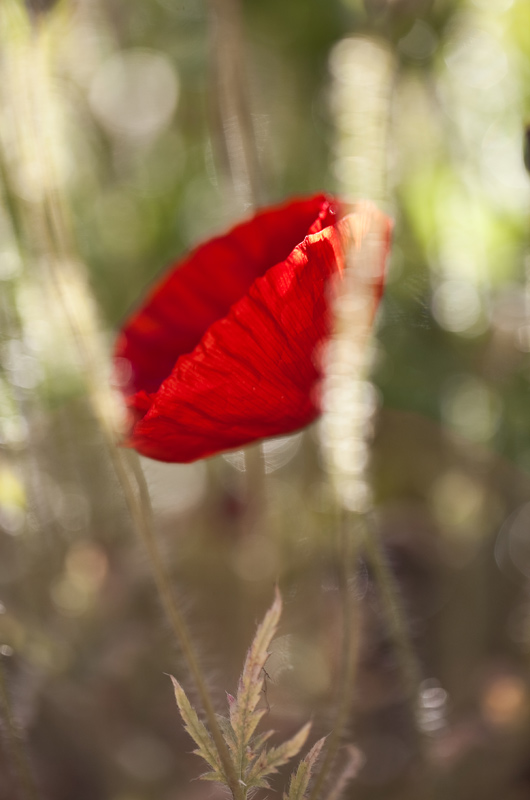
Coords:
pixel 26 783
pixel 411 673
pixel 347 552
pixel 231 112
pixel 394 615
pixel 140 509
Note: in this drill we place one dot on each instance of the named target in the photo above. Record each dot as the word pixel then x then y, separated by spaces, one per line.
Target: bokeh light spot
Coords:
pixel 134 93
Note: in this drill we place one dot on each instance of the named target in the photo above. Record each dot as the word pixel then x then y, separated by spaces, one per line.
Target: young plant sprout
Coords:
pixel 253 760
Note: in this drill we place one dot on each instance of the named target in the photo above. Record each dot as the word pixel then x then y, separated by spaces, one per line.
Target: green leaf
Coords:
pixel 258 742
pixel 300 779
pixel 228 732
pixel 197 730
pixel 213 776
pixel 268 761
pixel 244 717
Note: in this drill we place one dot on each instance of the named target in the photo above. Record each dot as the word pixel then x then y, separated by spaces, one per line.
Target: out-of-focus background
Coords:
pixel 113 110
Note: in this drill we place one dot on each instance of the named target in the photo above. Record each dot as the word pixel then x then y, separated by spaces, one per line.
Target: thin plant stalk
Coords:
pixel 409 666
pixel 363 133
pixel 392 606
pixel 238 155
pixel 19 754
pixel 344 445
pixel 140 509
pixel 232 120
pixel 347 555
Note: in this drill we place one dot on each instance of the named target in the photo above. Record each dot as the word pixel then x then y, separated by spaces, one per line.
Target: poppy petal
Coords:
pixel 209 281
pixel 254 372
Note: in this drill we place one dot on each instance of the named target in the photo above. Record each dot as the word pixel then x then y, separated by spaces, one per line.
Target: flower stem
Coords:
pixel 26 783
pixel 347 553
pixel 409 666
pixel 140 509
pixel 232 120
pixel 394 616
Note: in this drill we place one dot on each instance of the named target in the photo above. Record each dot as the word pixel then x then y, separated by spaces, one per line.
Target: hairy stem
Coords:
pixel 394 615
pixel 26 783
pixel 140 510
pixel 347 552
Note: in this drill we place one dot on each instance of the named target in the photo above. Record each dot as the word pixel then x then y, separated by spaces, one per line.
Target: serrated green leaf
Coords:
pixel 227 731
pixel 300 779
pixel 269 760
pixel 258 741
pixel 243 715
pixel 212 776
pixel 298 783
pixel 196 729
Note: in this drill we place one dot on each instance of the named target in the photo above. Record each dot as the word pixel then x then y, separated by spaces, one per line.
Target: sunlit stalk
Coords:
pixel 360 74
pixel 19 755
pixel 14 738
pixel 233 126
pixel 363 71
pixel 348 405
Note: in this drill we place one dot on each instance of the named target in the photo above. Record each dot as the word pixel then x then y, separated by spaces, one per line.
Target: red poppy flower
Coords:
pixel 224 350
